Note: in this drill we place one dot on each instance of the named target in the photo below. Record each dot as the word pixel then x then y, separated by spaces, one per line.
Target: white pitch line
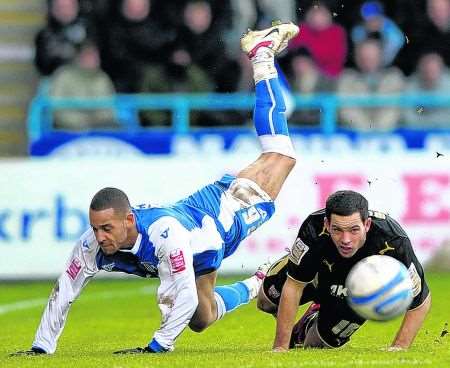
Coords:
pixel 39 302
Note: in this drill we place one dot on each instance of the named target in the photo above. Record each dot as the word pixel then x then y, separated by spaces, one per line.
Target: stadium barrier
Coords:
pixel 127 106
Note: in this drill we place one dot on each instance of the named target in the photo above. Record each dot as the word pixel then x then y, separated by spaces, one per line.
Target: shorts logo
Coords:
pixel 416 280
pixel 251 215
pixel 273 292
pixel 297 252
pixel 74 268
pixel 150 268
pixel 109 267
pixel 177 263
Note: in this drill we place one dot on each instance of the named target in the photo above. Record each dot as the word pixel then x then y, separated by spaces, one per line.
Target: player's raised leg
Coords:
pixel 270 170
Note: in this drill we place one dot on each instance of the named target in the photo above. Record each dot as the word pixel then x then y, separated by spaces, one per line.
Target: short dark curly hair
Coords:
pixel 110 198
pixel 346 203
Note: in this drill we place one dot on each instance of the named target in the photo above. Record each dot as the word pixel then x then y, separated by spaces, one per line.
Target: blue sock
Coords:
pixel 270 120
pixel 233 295
pixel 269 113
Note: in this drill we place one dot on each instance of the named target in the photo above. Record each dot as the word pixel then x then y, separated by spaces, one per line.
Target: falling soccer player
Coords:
pixel 184 244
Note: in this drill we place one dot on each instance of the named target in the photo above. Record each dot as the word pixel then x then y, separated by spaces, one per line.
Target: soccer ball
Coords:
pixel 379 288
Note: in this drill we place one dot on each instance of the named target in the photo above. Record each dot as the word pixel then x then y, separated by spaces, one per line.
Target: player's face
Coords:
pixel 348 233
pixel 111 229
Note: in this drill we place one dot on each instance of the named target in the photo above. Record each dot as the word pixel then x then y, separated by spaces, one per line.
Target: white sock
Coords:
pixel 263 65
pixel 221 310
pixel 253 285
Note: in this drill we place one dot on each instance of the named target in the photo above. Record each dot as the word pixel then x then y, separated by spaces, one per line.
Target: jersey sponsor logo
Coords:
pixel 165 233
pixel 177 263
pixel 74 268
pixel 339 291
pixel 85 244
pixel 387 249
pixel 416 280
pixel 108 267
pixel 297 252
pixel 328 264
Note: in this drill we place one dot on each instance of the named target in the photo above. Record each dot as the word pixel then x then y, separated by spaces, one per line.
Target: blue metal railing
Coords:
pixel 126 107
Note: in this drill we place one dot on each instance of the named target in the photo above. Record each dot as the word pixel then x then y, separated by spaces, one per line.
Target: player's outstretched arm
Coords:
pixel 412 322
pixel 80 268
pixel 177 293
pixel 290 297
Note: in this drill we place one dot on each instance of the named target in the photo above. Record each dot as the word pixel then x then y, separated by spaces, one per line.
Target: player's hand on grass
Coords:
pixel 135 351
pixel 279 349
pixel 32 351
pixel 153 347
pixel 395 348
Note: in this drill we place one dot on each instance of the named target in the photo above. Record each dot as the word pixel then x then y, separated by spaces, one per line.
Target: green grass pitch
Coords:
pixel 117 314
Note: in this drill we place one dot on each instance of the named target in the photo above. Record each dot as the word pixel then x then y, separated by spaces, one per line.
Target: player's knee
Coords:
pixel 199 324
pixel 264 305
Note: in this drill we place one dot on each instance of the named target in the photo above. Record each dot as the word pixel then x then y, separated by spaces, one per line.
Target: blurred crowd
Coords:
pixel 101 47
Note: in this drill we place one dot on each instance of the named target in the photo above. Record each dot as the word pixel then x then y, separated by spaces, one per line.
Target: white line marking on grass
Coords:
pixel 39 302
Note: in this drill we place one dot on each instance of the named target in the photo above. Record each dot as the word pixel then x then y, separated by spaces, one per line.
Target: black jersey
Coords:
pixel 314 253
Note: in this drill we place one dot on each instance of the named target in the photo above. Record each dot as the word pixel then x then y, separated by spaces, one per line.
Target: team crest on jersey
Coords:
pixel 297 252
pixel 177 262
pixel 85 244
pixel 108 267
pixel 74 268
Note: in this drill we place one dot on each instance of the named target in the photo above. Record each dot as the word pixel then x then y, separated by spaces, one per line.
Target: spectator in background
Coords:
pixel 83 78
pixel 57 43
pixel 434 34
pixel 371 78
pixel 199 48
pixel 305 79
pixel 325 40
pixel 197 63
pixel 432 76
pixel 138 38
pixel 376 25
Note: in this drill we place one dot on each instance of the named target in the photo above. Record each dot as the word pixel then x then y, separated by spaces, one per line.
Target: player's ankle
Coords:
pixel 263 66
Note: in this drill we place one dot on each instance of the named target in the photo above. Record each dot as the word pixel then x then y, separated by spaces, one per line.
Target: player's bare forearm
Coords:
pixel 412 322
pixel 287 310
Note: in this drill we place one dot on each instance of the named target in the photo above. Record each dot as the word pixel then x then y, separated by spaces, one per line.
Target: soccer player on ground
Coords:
pixel 329 243
pixel 184 244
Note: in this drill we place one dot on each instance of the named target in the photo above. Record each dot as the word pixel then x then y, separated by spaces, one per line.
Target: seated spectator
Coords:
pixel 198 62
pixel 434 34
pixel 431 77
pixel 138 38
pixel 57 43
pixel 306 79
pixel 376 24
pixel 200 42
pixel 83 78
pixel 370 78
pixel 325 40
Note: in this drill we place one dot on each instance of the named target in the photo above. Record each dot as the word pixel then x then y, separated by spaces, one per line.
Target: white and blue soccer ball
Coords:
pixel 379 288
